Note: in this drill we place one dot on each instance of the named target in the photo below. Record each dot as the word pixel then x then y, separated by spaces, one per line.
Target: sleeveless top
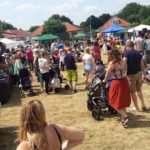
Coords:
pixel 118 71
pixel 58 135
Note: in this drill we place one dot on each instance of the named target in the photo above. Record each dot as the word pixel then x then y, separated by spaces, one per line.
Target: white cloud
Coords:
pixel 66 9
pixel 75 1
pixel 5 3
pixel 36 12
pixel 28 7
pixel 91 8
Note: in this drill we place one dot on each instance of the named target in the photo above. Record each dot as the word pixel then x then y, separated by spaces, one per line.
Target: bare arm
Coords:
pixel 110 65
pixel 72 135
pixel 23 146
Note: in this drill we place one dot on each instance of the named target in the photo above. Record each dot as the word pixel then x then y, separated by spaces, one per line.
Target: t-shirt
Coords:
pixel 138 44
pixel 133 61
pixel 29 54
pixel 43 65
pixel 69 61
pixel 87 59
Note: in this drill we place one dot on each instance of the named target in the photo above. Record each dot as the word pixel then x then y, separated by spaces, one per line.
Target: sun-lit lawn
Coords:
pixel 70 109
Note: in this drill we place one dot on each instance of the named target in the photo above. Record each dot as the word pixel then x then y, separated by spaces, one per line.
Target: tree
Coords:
pixel 130 9
pixel 92 21
pixel 33 28
pixel 134 24
pixel 62 18
pixel 135 13
pixel 95 22
pixel 143 13
pixel 134 18
pixel 66 19
pixel 54 25
pixel 5 26
pixel 104 18
pixel 147 21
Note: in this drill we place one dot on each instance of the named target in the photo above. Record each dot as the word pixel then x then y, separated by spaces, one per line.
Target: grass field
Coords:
pixel 70 109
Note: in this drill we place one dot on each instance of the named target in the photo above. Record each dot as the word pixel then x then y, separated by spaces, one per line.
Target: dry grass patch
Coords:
pixel 70 109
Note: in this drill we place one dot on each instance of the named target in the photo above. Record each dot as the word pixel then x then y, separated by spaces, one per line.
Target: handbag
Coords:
pixel 55 83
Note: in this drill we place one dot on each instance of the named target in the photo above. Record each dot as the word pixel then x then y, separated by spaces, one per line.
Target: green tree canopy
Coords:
pixel 32 28
pixel 62 18
pixel 54 25
pixel 92 21
pixel 95 22
pixel 147 21
pixel 104 18
pixel 4 26
pixel 135 13
pixel 130 9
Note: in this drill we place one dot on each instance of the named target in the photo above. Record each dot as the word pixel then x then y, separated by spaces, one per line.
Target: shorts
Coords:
pixel 88 68
pixel 72 75
pixel 135 82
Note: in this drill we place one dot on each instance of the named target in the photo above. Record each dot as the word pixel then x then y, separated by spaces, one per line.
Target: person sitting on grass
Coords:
pixel 35 133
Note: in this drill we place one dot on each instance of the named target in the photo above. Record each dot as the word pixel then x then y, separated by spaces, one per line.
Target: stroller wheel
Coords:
pixel 96 113
pixel 89 104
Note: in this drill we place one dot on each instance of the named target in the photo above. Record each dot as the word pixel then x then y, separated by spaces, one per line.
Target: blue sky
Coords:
pixel 26 13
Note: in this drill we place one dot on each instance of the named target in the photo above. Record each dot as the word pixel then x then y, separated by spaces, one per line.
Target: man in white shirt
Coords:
pixel 44 69
pixel 138 43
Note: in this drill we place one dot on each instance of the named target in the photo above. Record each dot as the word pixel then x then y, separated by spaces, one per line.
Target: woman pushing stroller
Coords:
pixel 119 94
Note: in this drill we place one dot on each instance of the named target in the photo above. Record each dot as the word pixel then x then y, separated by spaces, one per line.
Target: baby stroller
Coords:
pixel 56 79
pixel 98 97
pixel 25 82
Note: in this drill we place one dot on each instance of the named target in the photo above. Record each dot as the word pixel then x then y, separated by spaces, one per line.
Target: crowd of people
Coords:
pixel 126 68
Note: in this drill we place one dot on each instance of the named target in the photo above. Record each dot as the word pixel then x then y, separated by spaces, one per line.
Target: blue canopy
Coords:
pixel 113 28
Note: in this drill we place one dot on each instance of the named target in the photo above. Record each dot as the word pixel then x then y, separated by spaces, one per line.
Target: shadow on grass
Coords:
pixel 138 121
pixel 7 138
pixel 135 120
pixel 15 99
pixel 64 91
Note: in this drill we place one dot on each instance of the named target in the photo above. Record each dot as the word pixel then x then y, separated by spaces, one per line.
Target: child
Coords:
pixel 99 68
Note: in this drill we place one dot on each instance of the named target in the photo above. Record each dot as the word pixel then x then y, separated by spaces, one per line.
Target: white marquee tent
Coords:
pixel 139 28
pixel 11 43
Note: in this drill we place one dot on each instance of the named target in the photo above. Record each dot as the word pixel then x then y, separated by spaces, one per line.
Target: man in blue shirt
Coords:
pixel 135 67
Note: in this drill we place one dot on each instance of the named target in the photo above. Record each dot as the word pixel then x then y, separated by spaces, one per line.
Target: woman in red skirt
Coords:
pixel 119 94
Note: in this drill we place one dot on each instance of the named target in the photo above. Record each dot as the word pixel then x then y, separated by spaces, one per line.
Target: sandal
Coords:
pixel 125 122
